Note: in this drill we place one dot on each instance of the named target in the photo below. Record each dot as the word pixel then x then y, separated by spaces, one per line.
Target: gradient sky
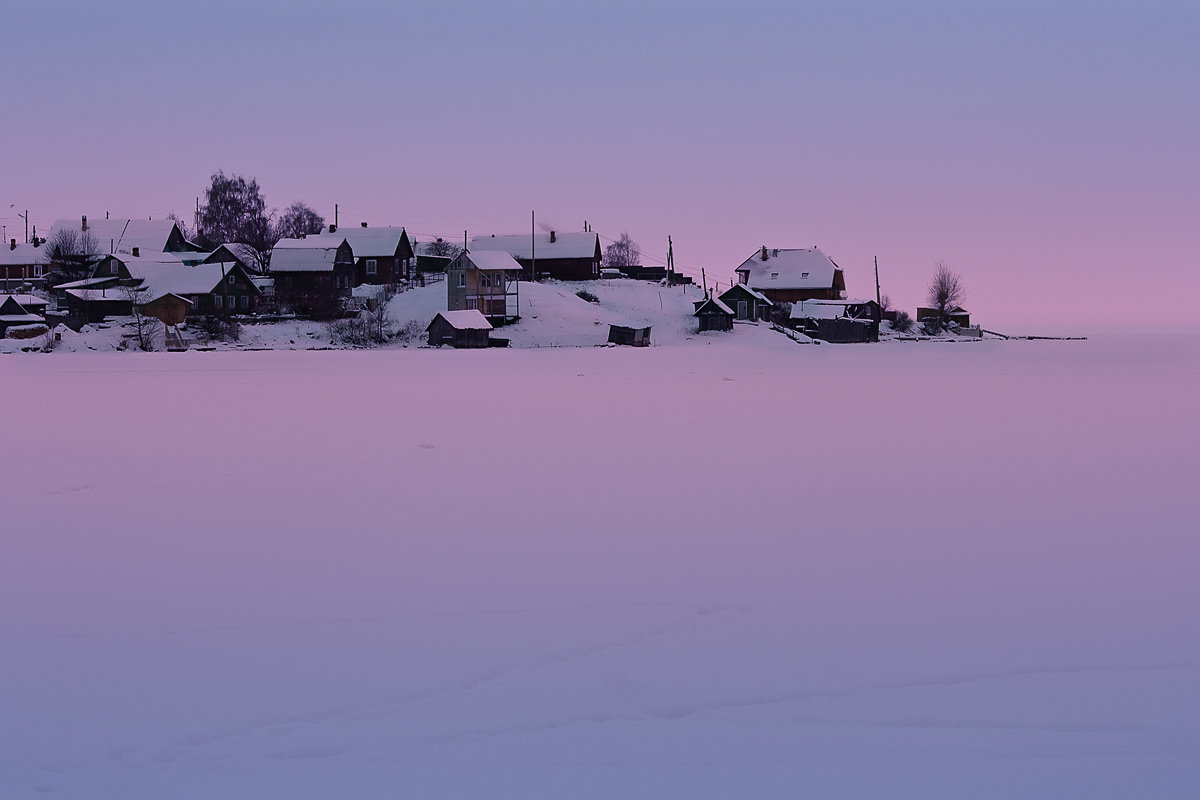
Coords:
pixel 1047 151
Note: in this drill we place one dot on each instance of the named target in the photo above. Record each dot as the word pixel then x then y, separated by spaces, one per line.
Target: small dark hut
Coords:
pixel 714 315
pixel 634 337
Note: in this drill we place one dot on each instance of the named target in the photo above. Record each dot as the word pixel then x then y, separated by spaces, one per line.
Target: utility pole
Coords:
pixel 532 245
pixel 25 217
pixel 878 296
pixel 335 215
pixel 670 262
pixel 704 280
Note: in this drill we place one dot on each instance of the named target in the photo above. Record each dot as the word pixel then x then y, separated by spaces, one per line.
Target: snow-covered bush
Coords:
pixel 584 294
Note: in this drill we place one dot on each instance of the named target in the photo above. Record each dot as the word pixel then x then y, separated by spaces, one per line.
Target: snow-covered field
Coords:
pixel 732 567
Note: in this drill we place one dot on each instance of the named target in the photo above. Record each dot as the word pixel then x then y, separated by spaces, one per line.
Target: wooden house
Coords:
pixel 461 329
pixel 487 281
pixel 22 265
pixel 312 278
pixel 748 304
pixel 561 256
pixel 789 276
pixel 714 315
pixel 632 337
pixel 235 253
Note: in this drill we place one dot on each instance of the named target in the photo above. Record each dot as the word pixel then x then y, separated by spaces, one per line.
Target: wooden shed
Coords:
pixel 169 309
pixel 634 337
pixel 462 329
pixel 714 315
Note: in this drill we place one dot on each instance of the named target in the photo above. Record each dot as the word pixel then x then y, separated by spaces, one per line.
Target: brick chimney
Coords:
pixel 85 222
pixel 552 237
pixel 764 253
pixel 12 244
pixel 363 224
pixel 136 253
pixel 333 228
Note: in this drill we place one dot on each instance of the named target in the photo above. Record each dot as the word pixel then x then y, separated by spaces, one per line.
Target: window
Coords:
pixel 485 280
pixel 803 274
pixel 462 280
pixel 372 267
pixel 774 275
pixel 217 299
pixel 37 270
pixel 245 301
pixel 232 280
pixel 472 303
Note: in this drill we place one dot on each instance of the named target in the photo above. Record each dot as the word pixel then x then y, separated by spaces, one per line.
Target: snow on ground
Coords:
pixel 553 315
pixel 741 569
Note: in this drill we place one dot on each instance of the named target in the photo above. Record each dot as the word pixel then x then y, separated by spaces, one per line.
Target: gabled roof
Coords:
pixel 789 269
pixel 365 242
pixel 122 235
pixel 470 320
pixel 741 288
pixel 303 258
pixel 24 300
pixel 244 254
pixel 713 302
pixel 163 279
pixel 22 255
pixel 496 260
pixel 521 245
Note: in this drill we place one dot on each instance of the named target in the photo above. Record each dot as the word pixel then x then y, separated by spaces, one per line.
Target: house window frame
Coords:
pixel 372 266
pixel 217 301
pixel 461 280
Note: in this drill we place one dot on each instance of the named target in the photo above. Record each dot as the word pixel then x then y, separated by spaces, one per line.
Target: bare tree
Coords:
pixel 442 248
pixel 298 220
pixel 183 227
pixel 69 254
pixel 146 326
pixel 624 252
pixel 946 291
pixel 234 211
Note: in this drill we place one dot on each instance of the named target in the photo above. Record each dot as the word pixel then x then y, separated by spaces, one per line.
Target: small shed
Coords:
pixel 462 329
pixel 714 315
pixel 634 337
pixel 15 315
pixel 169 308
pixel 957 315
pixel 748 304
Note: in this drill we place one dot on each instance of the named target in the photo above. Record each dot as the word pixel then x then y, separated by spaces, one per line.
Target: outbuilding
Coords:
pixel 633 337
pixel 714 315
pixel 748 304
pixel 461 329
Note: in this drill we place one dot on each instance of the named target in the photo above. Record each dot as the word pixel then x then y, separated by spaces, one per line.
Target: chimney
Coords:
pixel 764 253
pixel 552 237
pixel 12 244
pixel 136 254
pixel 363 224
pixel 333 228
pixel 85 222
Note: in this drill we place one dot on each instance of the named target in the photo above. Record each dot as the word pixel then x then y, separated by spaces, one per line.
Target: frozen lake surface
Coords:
pixel 744 569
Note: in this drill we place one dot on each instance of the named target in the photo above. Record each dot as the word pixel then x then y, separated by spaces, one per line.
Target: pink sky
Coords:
pixel 1048 154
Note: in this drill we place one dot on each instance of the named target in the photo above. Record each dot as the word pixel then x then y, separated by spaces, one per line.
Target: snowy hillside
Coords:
pixel 553 315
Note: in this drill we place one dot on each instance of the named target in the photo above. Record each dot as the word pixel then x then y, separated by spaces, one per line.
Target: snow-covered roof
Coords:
pixel 21 255
pixel 819 309
pixel 85 283
pixel 121 235
pixel 365 242
pixel 469 320
pixel 369 292
pixel 521 245
pixel 242 252
pixel 292 258
pixel 17 319
pixel 759 296
pixel 164 279
pixel 713 302
pixel 789 269
pixel 24 300
pixel 492 260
